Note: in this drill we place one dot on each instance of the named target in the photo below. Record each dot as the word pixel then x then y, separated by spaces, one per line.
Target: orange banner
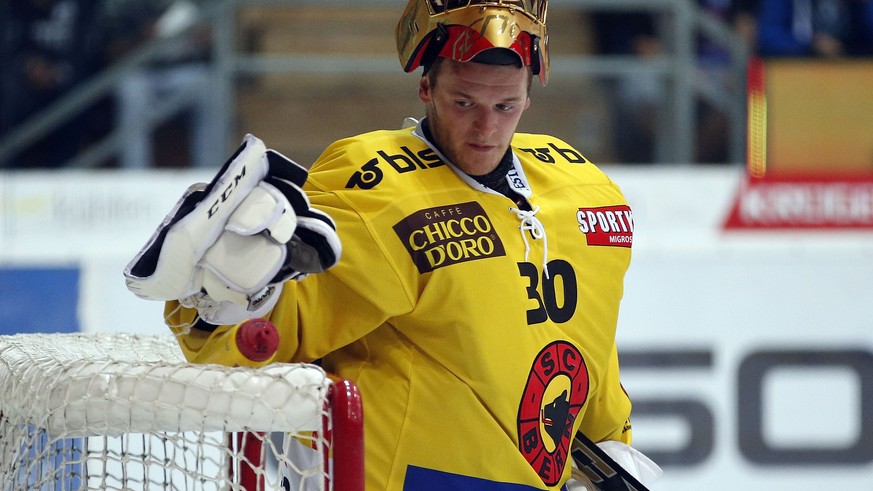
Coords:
pixel 819 117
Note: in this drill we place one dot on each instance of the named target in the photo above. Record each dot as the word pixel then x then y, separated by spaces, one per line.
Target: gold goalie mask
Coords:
pixel 464 29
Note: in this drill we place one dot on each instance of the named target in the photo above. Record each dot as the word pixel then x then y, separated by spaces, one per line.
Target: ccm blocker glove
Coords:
pixel 227 246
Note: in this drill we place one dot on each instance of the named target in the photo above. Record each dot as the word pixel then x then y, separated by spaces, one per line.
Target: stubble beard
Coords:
pixel 441 140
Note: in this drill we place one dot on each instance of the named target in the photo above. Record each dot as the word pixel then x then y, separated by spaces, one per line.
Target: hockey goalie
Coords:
pixel 465 275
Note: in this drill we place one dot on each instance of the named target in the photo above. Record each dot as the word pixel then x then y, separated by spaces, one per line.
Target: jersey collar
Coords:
pixel 515 176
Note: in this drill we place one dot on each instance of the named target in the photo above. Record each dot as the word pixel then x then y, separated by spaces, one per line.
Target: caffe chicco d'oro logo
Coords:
pixel 556 389
pixel 445 235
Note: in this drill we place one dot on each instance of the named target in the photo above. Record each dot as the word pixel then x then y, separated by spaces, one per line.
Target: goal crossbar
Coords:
pixel 62 388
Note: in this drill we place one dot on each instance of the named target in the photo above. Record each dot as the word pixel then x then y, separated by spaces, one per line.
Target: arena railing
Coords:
pixel 677 68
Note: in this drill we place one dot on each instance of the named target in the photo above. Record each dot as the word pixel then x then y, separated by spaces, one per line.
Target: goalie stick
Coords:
pixel 600 468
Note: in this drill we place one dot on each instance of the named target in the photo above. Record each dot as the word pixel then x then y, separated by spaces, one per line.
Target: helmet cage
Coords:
pixel 460 30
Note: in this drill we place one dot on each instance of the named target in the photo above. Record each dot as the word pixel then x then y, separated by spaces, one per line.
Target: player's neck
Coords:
pixel 496 179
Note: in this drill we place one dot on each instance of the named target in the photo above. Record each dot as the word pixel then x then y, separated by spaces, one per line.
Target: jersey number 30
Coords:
pixel 555 295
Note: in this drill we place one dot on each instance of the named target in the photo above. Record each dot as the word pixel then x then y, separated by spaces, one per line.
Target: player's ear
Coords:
pixel 424 90
pixel 527 103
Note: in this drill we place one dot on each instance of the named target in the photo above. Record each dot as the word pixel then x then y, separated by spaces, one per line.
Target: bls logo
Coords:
pixel 545 154
pixel 553 396
pixel 371 174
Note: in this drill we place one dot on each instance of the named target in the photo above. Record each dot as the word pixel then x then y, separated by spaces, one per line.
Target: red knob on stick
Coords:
pixel 257 339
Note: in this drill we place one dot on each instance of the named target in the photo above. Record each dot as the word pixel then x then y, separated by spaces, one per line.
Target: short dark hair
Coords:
pixel 498 56
pixel 431 71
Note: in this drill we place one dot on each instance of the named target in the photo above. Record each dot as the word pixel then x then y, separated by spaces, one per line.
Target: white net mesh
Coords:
pixel 126 412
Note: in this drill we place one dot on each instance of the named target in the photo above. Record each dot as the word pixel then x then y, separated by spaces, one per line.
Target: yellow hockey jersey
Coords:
pixel 481 336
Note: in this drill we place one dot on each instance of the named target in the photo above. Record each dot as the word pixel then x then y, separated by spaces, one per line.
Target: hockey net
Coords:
pixel 127 412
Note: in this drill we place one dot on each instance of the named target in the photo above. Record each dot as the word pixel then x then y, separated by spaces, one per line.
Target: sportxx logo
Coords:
pixel 406 161
pixel 556 390
pixel 607 225
pixel 446 235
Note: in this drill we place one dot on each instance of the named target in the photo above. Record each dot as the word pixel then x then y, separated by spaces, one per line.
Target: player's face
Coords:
pixel 473 109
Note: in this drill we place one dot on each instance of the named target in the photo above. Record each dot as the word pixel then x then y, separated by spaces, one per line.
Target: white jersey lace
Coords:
pixel 530 223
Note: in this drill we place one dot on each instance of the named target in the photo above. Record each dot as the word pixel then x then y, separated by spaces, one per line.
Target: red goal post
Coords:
pixel 124 411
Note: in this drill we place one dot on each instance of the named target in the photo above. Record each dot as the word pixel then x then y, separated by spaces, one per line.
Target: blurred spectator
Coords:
pixel 48 47
pixel 823 28
pixel 182 68
pixel 639 100
pixel 744 18
pixel 741 16
pixel 714 65
pixel 636 98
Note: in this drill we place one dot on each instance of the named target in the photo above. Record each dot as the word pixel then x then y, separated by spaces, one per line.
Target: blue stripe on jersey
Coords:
pixel 421 479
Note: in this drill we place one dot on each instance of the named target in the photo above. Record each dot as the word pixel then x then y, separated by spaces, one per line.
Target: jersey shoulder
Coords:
pixel 390 160
pixel 558 156
pixel 546 149
pixel 364 145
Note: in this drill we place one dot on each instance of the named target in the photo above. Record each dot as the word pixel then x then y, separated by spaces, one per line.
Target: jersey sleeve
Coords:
pixel 326 311
pixel 329 310
pixel 322 312
pixel 608 417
